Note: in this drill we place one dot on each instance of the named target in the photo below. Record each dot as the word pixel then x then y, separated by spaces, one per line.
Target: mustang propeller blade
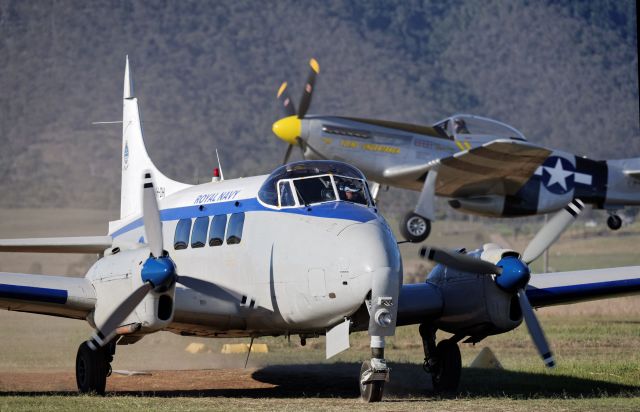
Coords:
pixel 289 128
pixel 513 273
pixel 308 88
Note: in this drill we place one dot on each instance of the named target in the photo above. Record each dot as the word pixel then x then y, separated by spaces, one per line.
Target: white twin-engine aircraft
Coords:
pixel 302 251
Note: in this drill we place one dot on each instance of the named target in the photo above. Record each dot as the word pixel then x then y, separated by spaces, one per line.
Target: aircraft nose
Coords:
pixel 367 247
pixel 288 129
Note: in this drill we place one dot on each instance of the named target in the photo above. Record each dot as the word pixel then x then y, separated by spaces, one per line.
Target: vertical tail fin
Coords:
pixel 135 158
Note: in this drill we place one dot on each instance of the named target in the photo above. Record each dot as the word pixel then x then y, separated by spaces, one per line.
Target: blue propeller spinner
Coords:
pixel 515 274
pixel 160 272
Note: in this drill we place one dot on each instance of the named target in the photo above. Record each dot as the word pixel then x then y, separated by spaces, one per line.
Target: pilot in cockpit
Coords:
pixel 460 126
pixel 348 190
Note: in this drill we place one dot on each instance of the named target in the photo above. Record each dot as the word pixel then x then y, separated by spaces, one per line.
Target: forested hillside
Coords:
pixel 206 74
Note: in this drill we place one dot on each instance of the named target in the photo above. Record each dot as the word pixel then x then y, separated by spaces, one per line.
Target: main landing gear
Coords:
pixel 443 361
pixel 415 228
pixel 614 222
pixel 93 368
pixel 374 372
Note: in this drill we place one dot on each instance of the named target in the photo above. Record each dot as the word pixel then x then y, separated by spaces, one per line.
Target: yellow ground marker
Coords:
pixel 194 348
pixel 230 348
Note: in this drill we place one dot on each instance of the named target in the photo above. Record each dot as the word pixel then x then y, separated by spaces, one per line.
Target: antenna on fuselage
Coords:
pixel 217 172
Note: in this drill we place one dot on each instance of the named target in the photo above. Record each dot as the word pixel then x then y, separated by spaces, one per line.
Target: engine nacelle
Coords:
pixel 115 277
pixel 474 305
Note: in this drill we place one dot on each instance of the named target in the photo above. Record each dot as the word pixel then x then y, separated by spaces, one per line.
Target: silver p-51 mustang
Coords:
pixel 480 165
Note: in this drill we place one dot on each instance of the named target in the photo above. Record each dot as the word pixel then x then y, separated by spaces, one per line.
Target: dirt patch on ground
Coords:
pixel 186 380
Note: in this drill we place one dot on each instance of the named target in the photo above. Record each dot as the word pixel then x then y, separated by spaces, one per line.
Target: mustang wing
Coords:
pixel 500 167
pixel 548 289
pixel 48 295
pixel 82 244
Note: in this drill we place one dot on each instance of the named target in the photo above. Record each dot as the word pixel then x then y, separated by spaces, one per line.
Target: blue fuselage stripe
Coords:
pixel 572 293
pixel 34 294
pixel 334 210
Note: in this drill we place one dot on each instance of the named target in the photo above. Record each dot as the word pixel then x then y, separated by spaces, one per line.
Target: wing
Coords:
pixel 500 167
pixel 48 295
pixel 569 287
pixel 83 244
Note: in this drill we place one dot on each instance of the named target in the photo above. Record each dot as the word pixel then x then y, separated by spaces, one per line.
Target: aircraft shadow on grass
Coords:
pixel 408 382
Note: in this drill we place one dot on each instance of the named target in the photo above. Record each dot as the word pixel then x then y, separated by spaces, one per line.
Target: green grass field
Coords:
pixel 597 347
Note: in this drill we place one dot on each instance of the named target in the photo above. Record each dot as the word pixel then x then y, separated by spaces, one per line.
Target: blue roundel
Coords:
pixel 558 175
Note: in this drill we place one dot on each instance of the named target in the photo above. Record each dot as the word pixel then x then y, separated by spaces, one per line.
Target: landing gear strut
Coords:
pixel 415 228
pixel 374 372
pixel 93 367
pixel 443 361
pixel 614 222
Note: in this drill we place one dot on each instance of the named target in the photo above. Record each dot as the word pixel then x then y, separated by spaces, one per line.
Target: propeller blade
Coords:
pixel 103 335
pixel 535 330
pixel 285 100
pixel 552 230
pixel 459 261
pixel 308 88
pixel 207 288
pixel 287 155
pixel 316 152
pixel 151 216
pixel 303 146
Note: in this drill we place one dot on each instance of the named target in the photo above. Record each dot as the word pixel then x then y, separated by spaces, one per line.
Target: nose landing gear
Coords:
pixel 374 373
pixel 614 222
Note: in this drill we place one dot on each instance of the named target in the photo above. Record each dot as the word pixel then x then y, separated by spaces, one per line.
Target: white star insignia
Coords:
pixel 558 175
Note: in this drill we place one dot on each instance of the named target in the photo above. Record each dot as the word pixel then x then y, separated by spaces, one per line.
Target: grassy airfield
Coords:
pixel 596 345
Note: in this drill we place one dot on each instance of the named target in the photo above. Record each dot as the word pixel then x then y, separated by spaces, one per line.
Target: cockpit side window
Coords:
pixel 351 190
pixel 314 190
pixel 285 193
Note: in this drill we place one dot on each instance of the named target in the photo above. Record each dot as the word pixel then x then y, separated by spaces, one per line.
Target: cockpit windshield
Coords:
pixel 312 182
pixel 465 124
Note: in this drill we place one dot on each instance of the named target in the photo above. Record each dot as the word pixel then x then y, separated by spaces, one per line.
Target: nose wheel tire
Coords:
pixel 614 222
pixel 415 228
pixel 370 391
pixel 445 375
pixel 92 368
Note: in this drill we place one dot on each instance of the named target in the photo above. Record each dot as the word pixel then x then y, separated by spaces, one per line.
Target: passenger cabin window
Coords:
pixel 199 234
pixel 234 230
pixel 216 233
pixel 314 189
pixel 183 229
